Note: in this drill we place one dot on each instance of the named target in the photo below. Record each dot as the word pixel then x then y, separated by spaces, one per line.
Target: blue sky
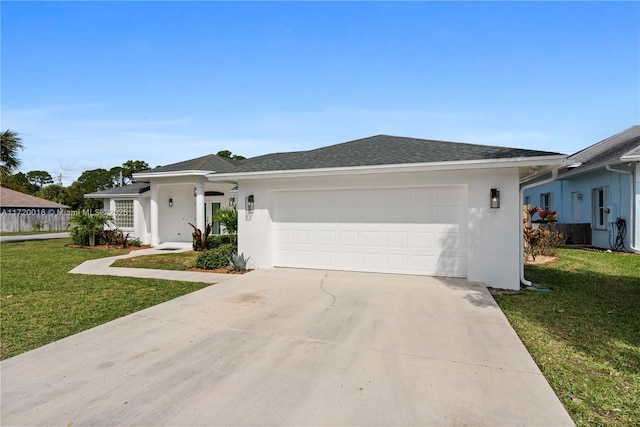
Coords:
pixel 94 84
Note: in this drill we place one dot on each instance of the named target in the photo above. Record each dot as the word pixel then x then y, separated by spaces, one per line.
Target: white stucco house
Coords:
pixel 380 204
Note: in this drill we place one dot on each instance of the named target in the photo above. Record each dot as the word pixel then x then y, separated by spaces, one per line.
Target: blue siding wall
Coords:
pixel 573 200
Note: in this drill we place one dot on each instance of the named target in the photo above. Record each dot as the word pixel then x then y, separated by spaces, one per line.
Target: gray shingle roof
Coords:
pixel 382 150
pixel 372 151
pixel 135 188
pixel 208 163
pixel 606 152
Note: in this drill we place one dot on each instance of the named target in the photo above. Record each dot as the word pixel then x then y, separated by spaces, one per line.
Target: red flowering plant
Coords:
pixel 539 239
pixel 548 216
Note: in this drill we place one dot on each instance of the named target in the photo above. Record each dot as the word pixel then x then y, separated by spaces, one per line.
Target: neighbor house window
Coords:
pixel 545 201
pixel 599 207
pixel 123 214
pixel 527 200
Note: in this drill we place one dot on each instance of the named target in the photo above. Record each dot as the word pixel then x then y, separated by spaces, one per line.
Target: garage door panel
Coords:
pixel 326 238
pixel 372 239
pixel 410 230
pixel 397 239
pixel 371 261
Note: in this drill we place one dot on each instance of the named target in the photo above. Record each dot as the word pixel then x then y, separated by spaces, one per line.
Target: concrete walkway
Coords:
pixel 102 267
pixel 291 347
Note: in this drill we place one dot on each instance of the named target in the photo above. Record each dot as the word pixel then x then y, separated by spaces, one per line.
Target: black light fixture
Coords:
pixel 170 202
pixel 495 198
pixel 232 201
pixel 249 204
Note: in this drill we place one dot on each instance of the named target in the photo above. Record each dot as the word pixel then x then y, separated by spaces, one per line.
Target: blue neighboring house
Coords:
pixel 599 186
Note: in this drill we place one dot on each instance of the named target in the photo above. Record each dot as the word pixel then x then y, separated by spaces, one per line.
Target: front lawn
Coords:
pixel 180 261
pixel 585 335
pixel 41 302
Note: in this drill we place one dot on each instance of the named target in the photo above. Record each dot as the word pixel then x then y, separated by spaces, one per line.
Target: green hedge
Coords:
pixel 220 239
pixel 212 259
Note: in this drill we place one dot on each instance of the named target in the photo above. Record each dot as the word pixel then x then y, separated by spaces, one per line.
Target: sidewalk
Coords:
pixel 102 267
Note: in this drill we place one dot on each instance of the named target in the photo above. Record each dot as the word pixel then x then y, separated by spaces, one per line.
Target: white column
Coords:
pixel 635 213
pixel 153 219
pixel 200 220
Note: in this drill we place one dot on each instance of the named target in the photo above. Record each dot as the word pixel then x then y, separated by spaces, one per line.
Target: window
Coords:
pixel 527 200
pixel 545 201
pixel 123 214
pixel 599 208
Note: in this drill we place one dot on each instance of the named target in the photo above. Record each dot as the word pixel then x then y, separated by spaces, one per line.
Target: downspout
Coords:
pixel 554 175
pixel 631 215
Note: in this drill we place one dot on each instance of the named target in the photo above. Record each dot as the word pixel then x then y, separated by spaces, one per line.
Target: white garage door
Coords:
pixel 418 230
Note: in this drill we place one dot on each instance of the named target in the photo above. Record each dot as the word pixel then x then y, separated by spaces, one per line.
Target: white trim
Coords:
pixel 402 167
pixel 112 196
pixel 172 174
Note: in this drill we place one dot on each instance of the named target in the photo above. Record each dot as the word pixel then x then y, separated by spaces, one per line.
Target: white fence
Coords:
pixel 34 221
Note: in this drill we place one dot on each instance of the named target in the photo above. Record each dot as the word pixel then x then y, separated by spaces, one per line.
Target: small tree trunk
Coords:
pixel 92 238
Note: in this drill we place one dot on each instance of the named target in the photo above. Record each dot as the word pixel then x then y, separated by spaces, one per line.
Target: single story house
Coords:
pixel 15 202
pixel 381 204
pixel 24 212
pixel 599 187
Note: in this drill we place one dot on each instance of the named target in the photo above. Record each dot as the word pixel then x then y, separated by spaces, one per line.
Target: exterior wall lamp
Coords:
pixel 495 198
pixel 249 204
pixel 170 202
pixel 232 201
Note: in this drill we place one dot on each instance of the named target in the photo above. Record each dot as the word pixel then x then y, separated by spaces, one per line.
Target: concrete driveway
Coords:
pixel 291 347
pixel 42 236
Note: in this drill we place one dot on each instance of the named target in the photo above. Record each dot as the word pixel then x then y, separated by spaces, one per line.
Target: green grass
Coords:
pixel 179 261
pixel 585 335
pixel 41 302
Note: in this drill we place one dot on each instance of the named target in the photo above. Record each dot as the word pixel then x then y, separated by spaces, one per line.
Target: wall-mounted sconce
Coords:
pixel 195 191
pixel 232 201
pixel 495 198
pixel 249 204
pixel 170 202
pixel 579 196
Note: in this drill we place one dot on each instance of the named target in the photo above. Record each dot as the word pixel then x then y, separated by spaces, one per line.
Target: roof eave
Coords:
pixel 110 196
pixel 145 176
pixel 403 167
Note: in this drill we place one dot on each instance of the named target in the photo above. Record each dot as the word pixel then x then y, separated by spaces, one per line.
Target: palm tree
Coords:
pixel 228 217
pixel 9 161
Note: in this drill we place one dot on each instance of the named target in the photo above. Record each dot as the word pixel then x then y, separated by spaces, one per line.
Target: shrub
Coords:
pixel 212 259
pixel 135 242
pixel 199 237
pixel 238 262
pixel 79 237
pixel 540 237
pixel 219 239
pixel 90 223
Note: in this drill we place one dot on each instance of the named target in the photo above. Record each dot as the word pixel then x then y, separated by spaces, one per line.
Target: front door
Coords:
pixel 209 217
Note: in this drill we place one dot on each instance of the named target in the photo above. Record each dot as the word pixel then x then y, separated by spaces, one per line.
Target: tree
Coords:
pixel 19 182
pixel 39 178
pixel 228 155
pixel 133 166
pixel 96 180
pixel 55 193
pixel 9 161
